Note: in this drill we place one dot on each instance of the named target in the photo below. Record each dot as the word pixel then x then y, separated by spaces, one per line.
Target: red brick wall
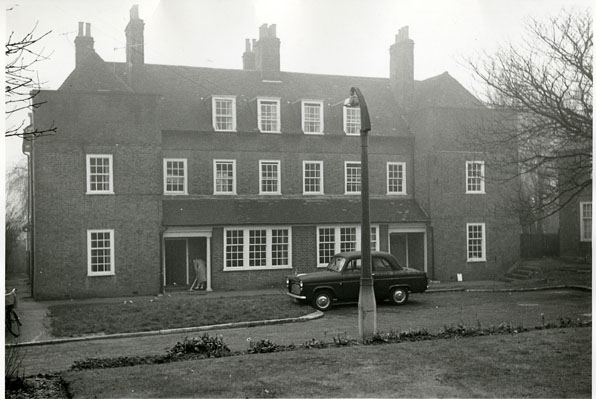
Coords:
pixel 440 174
pixel 117 124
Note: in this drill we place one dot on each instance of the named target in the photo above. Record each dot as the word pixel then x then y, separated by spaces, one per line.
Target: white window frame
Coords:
pixel 321 178
pixel 260 102
pixel 112 264
pixel 483 243
pixel 214 102
pixel 468 177
pixel 110 190
pixel 345 113
pixel 346 178
pixel 403 179
pixel 261 177
pixel 321 120
pixel 375 244
pixel 583 232
pixel 246 247
pixel 222 161
pixel 165 176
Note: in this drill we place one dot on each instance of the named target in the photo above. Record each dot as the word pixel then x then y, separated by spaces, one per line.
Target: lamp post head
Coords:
pixel 356 100
pixel 352 101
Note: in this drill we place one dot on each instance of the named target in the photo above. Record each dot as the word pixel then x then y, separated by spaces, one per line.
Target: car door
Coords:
pixel 350 281
pixel 382 276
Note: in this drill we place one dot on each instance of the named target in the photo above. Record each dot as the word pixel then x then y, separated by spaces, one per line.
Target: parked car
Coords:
pixel 340 281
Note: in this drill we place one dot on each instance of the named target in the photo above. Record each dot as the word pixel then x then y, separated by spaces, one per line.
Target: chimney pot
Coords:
pixel 88 29
pixel 81 24
pixel 247 45
pixel 134 12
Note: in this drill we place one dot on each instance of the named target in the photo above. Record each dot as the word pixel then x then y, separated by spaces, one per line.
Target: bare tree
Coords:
pixel 22 84
pixel 17 184
pixel 543 85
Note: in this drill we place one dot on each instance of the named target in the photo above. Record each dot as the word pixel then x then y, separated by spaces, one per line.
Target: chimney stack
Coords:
pixel 401 66
pixel 248 58
pixel 83 43
pixel 266 50
pixel 135 42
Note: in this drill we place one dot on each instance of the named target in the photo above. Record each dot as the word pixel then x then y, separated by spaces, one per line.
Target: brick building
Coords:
pixel 255 170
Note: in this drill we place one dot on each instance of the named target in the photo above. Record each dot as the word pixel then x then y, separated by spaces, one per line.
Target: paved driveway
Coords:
pixel 430 310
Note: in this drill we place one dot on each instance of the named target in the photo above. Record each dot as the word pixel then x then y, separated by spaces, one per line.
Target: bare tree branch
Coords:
pixel 22 83
pixel 543 87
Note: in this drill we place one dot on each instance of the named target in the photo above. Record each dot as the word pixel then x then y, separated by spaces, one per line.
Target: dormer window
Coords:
pixel 312 117
pixel 352 121
pixel 224 113
pixel 269 115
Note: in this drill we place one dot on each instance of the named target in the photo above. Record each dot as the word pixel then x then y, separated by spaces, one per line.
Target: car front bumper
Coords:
pixel 302 297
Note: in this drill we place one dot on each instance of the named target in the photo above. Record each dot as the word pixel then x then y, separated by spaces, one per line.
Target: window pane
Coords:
pixel 395 178
pixel 99 174
pixel 326 245
pixel 234 248
pixel 100 252
pixel 269 177
pixel 347 239
pixel 269 116
pixel 257 249
pixel 312 117
pixel 352 120
pixel 224 177
pixel 312 177
pixel 353 177
pixel 475 239
pixel 280 247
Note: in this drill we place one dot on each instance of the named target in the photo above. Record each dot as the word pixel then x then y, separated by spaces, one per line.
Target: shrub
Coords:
pixel 206 346
pixel 14 374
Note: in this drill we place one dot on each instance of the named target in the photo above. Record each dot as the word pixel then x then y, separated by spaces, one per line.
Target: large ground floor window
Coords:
pixel 257 248
pixel 334 239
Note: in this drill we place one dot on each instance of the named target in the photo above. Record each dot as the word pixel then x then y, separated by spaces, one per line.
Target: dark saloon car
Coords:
pixel 340 281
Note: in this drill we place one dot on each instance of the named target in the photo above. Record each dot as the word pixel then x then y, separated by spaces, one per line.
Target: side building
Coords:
pixel 257 171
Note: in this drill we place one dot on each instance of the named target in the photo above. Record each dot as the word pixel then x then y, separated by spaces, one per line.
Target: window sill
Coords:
pixel 477 260
pixel 398 194
pixel 257 268
pixel 224 193
pixel 475 192
pixel 99 193
pixel 277 132
pixel 100 274
pixel 170 194
pixel 314 133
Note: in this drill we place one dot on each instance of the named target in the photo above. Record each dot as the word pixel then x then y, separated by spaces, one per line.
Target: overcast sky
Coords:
pixel 343 37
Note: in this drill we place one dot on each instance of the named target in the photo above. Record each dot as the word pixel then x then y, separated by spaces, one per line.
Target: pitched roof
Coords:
pixel 442 91
pixel 186 89
pixel 284 211
pixel 93 74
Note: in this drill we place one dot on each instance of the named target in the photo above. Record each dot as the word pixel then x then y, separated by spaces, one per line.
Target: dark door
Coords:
pixel 398 246
pixel 176 262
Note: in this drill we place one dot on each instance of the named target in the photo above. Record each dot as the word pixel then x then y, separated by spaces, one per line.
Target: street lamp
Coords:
pixel 367 306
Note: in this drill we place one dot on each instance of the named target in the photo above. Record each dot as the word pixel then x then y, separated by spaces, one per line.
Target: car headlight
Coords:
pixel 287 282
pixel 301 284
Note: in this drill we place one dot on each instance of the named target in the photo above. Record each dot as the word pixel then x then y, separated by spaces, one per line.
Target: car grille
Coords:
pixel 295 288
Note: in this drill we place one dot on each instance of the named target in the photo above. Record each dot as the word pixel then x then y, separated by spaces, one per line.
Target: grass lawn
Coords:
pixel 550 363
pixel 145 314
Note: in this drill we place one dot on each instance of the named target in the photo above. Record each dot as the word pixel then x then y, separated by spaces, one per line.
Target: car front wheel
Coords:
pixel 323 300
pixel 398 296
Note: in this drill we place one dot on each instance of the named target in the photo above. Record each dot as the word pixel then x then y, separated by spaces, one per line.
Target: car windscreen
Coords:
pixel 336 264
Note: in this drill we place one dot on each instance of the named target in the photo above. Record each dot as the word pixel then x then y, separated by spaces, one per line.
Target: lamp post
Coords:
pixel 367 306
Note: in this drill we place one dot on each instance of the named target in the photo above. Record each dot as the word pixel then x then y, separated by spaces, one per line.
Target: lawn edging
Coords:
pixel 242 324
pixel 520 289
